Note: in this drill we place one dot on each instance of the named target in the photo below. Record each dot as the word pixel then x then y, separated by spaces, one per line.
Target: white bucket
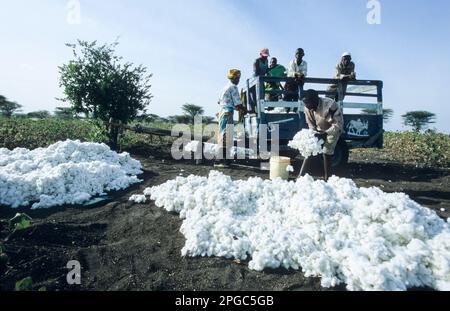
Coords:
pixel 278 167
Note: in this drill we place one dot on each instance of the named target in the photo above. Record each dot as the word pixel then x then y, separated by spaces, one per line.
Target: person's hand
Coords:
pixel 321 136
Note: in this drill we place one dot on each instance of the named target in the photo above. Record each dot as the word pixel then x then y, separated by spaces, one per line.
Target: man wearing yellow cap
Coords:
pixel 229 101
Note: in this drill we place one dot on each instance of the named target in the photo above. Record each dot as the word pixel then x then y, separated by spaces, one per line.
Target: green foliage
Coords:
pixel 190 111
pixel 32 134
pixel 97 132
pixel 20 221
pixel 24 284
pixel 97 83
pixel 422 149
pixel 64 113
pixel 418 120
pixel 387 113
pixel 41 114
pixel 8 108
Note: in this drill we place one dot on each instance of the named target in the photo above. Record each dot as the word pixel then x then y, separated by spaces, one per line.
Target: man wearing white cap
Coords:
pixel 345 71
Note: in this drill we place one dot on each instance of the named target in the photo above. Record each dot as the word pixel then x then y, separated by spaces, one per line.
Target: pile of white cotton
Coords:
pixel 363 237
pixel 307 143
pixel 68 172
pixel 213 150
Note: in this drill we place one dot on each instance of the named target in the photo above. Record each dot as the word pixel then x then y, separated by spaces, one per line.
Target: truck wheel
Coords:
pixel 340 158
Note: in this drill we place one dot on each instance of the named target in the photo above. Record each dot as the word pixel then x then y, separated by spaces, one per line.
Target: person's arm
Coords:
pixel 337 73
pixel 337 121
pixel 353 74
pixel 305 72
pixel 235 98
pixel 256 68
pixel 291 70
pixel 310 119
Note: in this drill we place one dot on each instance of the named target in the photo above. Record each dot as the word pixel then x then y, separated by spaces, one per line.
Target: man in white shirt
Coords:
pixel 297 72
pixel 298 68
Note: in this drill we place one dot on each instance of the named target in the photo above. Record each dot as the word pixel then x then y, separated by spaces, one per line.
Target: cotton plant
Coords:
pixel 307 143
pixel 361 237
pixel 68 172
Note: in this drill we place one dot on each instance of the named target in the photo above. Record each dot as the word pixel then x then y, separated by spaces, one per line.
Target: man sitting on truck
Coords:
pixel 229 101
pixel 275 70
pixel 345 71
pixel 324 116
pixel 297 72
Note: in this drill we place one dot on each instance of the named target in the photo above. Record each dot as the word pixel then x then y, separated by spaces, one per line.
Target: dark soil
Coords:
pixel 126 246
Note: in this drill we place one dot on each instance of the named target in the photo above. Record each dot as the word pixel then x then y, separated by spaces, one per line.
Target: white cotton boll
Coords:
pixel 306 143
pixel 363 237
pixel 68 172
pixel 137 198
pixel 290 169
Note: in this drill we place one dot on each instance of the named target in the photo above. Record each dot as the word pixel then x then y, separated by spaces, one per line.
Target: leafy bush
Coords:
pixel 31 134
pixel 422 149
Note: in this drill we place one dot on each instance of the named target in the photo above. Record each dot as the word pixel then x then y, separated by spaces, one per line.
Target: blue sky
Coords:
pixel 190 45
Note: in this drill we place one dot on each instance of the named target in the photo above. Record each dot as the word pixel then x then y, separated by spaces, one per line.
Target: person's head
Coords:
pixel 299 53
pixel 235 76
pixel 311 99
pixel 346 58
pixel 273 62
pixel 264 53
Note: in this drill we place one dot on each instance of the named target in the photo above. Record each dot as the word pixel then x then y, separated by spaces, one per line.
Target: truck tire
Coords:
pixel 340 158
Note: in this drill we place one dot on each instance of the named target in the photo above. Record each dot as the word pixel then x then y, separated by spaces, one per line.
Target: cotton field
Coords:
pixel 68 172
pixel 363 237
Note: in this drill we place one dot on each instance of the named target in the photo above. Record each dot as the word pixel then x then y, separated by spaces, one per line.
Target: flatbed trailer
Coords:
pixel 361 130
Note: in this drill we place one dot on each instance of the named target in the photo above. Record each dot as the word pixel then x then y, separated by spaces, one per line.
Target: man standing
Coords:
pixel 297 72
pixel 229 101
pixel 345 71
pixel 275 70
pixel 261 64
pixel 324 116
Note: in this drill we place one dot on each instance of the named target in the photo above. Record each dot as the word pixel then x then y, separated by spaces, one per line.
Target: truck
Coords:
pixel 362 129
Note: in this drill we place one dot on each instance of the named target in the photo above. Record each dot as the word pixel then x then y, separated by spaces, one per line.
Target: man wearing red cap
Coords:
pixel 261 65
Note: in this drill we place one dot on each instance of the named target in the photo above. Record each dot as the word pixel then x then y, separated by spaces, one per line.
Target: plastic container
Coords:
pixel 278 167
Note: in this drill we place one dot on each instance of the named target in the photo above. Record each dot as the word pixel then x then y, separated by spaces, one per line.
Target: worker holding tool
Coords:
pixel 229 102
pixel 324 116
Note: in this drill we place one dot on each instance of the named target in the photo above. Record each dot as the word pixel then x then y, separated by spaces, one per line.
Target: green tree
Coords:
pixel 64 113
pixel 418 120
pixel 185 119
pixel 8 108
pixel 98 83
pixel 190 111
pixel 387 113
pixel 40 114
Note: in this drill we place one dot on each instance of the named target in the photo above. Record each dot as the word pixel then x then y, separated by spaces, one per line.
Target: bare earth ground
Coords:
pixel 127 246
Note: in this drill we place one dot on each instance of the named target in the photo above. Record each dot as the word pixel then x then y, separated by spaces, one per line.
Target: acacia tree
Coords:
pixel 418 120
pixel 190 111
pixel 8 108
pixel 99 84
pixel 387 113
